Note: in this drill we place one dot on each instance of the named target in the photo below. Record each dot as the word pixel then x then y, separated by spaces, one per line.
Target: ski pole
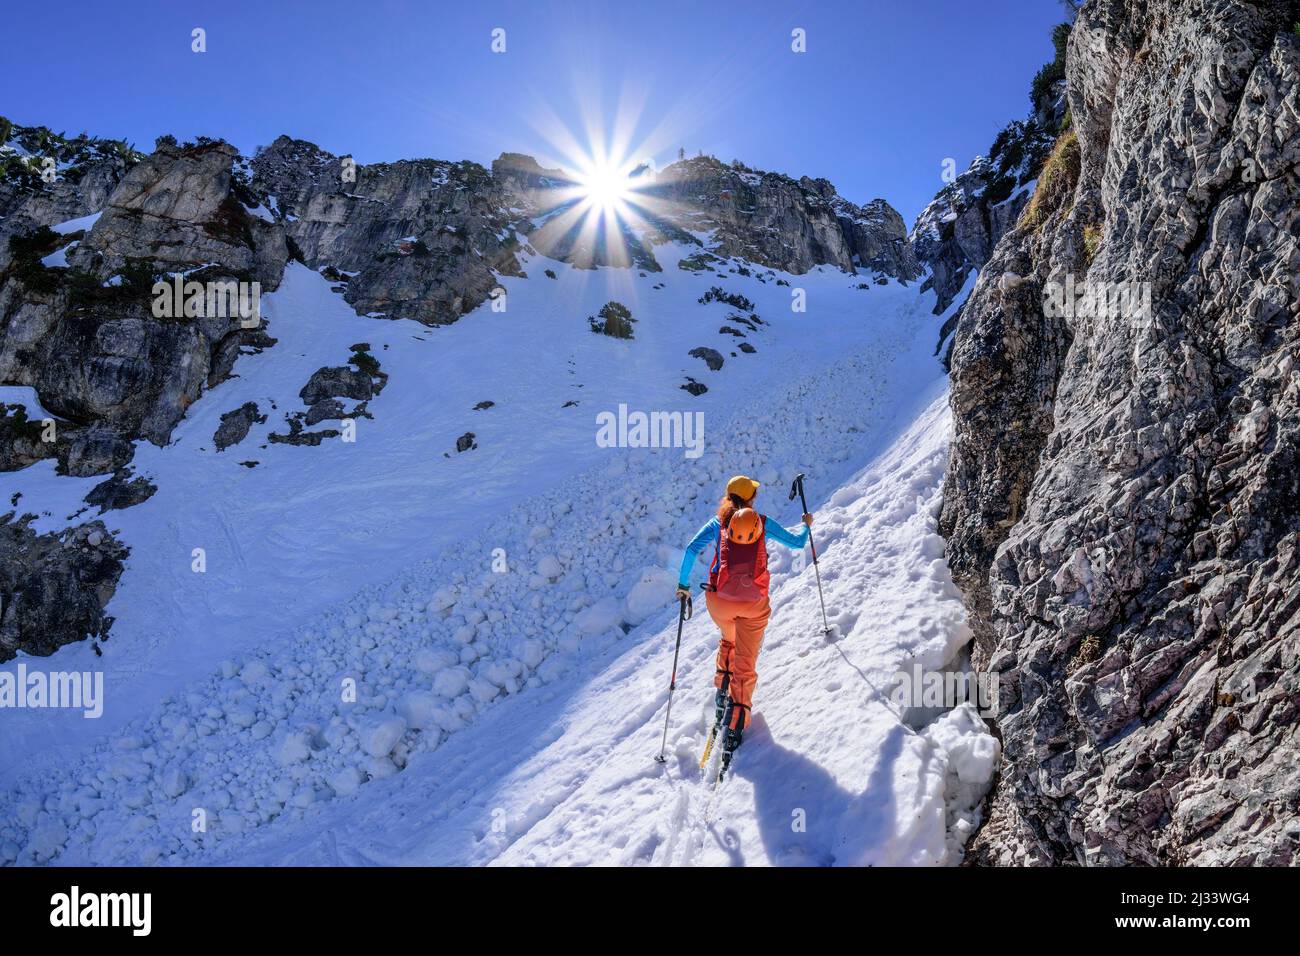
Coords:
pixel 797 487
pixel 683 613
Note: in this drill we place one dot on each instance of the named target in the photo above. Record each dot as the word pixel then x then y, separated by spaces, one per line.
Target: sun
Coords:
pixel 608 199
pixel 606 187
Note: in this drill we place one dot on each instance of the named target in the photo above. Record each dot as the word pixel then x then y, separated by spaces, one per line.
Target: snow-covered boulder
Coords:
pixel 254 673
pixel 448 720
pixel 174 782
pixel 443 599
pixel 531 653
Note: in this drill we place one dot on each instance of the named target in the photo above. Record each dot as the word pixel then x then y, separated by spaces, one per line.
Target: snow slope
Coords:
pixel 831 773
pixel 307 528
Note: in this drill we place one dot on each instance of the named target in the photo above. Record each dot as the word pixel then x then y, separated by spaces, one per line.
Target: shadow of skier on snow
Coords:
pixel 804 816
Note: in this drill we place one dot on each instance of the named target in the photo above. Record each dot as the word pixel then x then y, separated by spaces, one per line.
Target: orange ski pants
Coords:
pixel 742 624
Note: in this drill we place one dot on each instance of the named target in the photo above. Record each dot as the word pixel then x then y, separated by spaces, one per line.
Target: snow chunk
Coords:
pixel 346 782
pixel 428 660
pixel 451 682
pixel 419 709
pixel 651 593
pixel 600 617
pixel 295 748
pixel 379 737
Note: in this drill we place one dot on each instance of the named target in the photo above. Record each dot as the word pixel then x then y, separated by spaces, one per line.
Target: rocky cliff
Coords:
pixel 956 233
pixel 46 178
pixel 782 223
pixel 76 310
pixel 1121 502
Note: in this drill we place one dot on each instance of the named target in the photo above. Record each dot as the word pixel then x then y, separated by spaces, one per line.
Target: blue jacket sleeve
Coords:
pixel 787 538
pixel 702 537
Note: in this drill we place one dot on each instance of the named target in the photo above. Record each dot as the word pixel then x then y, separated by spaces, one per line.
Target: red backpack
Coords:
pixel 739 571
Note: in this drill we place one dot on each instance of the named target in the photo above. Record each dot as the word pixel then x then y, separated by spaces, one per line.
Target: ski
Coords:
pixel 715 793
pixel 708 744
pixel 718 719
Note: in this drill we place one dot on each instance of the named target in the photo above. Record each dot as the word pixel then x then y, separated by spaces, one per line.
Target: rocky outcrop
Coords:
pixel 22 439
pixel 957 231
pixel 711 357
pixel 235 424
pixel 87 338
pixel 334 382
pixel 54 587
pixel 121 491
pixel 778 222
pixel 85 172
pixel 420 239
pixel 179 211
pixel 1120 502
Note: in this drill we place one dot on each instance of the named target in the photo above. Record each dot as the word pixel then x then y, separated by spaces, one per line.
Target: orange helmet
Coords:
pixel 744 526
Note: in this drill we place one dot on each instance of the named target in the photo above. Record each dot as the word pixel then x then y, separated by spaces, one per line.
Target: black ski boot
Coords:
pixel 721 704
pixel 735 734
pixel 721 700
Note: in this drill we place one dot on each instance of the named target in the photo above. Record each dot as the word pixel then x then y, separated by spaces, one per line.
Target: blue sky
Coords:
pixel 885 92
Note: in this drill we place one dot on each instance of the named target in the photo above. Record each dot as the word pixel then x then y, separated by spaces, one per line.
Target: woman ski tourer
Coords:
pixel 736 595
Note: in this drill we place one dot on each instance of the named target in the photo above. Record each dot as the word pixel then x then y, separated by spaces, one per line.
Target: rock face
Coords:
pixel 1120 505
pixel 54 587
pixel 178 210
pixel 86 337
pixel 88 170
pixel 779 222
pixel 422 239
pixel 957 231
pixel 425 238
